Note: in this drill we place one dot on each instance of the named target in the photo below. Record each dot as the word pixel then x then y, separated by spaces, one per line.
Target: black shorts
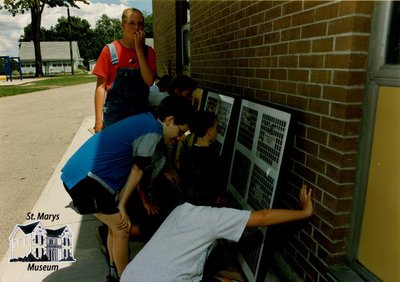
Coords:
pixel 89 197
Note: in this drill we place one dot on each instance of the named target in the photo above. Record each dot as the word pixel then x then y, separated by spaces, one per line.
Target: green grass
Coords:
pixel 45 84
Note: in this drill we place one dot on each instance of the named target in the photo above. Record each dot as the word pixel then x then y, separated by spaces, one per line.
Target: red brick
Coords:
pixel 303 18
pixel 318 106
pixel 309 90
pixel 288 61
pixel 279 49
pixel 350 61
pixel 345 111
pixel 335 233
pixel 342 94
pixel 298 75
pixel 351 7
pixel 317 135
pixel 272 37
pixel 281 23
pixel 349 77
pixel 307 146
pixel 343 144
pixel 316 164
pixel 300 47
pixel 287 87
pixel 350 24
pixel 340 175
pixel 311 61
pixel 333 219
pixel 297 102
pixel 291 34
pixel 327 12
pixel 322 45
pixel 352 42
pixel 280 74
pixel 313 30
pixel 291 7
pixel 305 172
pixel 321 76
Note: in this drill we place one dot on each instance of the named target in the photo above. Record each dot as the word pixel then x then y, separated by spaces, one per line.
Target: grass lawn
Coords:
pixel 44 84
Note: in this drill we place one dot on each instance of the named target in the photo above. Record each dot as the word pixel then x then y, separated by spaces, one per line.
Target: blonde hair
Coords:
pixel 128 11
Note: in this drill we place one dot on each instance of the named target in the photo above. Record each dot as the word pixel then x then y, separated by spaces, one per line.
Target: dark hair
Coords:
pixel 164 81
pixel 201 122
pixel 181 82
pixel 178 107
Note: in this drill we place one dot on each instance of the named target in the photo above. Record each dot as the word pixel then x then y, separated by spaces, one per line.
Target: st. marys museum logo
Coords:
pixel 35 244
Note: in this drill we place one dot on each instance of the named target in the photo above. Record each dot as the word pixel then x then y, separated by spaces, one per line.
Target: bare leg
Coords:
pixel 117 242
pixel 135 233
pixel 110 246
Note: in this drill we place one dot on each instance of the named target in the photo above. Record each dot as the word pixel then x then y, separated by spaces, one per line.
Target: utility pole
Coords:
pixel 70 43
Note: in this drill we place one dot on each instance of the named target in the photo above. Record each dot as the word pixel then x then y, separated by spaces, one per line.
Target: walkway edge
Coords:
pixel 53 211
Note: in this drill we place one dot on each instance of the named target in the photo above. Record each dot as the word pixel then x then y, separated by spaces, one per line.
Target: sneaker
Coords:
pixel 101 236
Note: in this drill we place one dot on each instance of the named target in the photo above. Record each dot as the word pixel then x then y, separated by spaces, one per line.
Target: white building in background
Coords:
pixel 35 240
pixel 56 57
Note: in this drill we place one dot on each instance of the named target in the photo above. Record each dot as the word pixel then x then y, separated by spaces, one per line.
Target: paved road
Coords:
pixel 35 131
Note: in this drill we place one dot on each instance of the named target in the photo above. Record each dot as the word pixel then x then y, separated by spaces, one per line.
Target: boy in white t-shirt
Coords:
pixel 179 248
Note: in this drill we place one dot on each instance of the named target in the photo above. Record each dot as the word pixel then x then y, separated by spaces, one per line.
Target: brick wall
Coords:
pixel 310 56
pixel 164 29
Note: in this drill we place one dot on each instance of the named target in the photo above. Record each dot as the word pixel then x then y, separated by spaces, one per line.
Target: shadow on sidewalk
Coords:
pixel 90 264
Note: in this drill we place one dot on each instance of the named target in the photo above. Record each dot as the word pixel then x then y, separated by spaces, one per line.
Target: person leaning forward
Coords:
pixel 178 249
pixel 112 161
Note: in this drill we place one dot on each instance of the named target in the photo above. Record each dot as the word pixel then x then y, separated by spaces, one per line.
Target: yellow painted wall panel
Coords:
pixel 379 249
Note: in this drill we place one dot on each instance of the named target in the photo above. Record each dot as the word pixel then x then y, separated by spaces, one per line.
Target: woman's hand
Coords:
pixel 139 40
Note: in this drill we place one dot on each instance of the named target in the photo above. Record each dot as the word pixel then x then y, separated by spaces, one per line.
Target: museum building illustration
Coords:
pixel 33 242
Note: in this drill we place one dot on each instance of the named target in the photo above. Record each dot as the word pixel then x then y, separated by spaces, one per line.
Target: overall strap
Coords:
pixel 114 56
pixel 113 53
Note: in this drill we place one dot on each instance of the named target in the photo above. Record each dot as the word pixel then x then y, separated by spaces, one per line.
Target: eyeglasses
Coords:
pixel 139 24
pixel 181 131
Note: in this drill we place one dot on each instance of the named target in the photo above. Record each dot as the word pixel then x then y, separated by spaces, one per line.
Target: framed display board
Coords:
pixel 197 98
pixel 222 106
pixel 255 168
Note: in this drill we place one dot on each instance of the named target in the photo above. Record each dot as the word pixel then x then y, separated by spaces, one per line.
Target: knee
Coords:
pixel 120 234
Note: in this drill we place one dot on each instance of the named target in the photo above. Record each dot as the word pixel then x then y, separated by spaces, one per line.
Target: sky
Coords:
pixel 11 28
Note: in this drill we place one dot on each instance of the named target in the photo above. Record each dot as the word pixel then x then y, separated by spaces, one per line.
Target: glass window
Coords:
pixel 185 15
pixel 393 45
pixel 186 46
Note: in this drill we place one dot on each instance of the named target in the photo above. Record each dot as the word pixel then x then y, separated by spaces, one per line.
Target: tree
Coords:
pixel 81 32
pixel 27 36
pixel 90 41
pixel 36 9
pixel 148 25
pixel 106 30
pixel 109 29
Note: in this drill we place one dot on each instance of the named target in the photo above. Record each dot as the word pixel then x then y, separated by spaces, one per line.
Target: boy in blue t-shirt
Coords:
pixel 113 161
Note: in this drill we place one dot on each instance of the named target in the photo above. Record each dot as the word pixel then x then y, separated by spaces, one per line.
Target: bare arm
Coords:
pixel 150 207
pixel 147 74
pixel 274 216
pixel 99 97
pixel 133 180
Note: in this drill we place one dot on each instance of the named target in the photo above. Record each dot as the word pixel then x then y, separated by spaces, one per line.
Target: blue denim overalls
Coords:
pixel 128 95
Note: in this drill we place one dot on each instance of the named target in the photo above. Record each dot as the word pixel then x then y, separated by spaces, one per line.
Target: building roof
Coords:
pixel 56 232
pixel 27 229
pixel 51 50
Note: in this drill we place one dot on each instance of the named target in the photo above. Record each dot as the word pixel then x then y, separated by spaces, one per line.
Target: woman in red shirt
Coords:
pixel 125 69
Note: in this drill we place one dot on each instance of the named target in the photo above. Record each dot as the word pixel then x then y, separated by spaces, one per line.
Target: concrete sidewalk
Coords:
pixel 90 264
